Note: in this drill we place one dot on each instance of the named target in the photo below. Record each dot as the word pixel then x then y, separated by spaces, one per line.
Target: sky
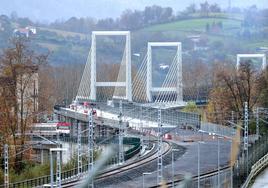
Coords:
pixel 50 10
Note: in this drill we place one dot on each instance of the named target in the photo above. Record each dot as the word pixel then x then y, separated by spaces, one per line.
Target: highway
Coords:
pixel 187 163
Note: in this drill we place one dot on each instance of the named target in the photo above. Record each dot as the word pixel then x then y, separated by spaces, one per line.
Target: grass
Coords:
pixel 65 33
pixel 198 24
pixel 49 46
pixel 257 44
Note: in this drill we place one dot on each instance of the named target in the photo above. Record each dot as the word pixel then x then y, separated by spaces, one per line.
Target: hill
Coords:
pixel 216 34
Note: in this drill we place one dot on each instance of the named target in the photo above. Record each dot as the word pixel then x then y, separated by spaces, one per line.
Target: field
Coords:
pixel 195 25
pixel 65 33
pixel 231 27
pixel 67 48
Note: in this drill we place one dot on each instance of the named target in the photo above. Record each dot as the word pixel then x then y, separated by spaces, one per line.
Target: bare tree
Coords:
pixel 232 88
pixel 20 65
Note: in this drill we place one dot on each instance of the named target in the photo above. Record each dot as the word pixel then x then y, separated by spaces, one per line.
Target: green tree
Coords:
pixel 191 107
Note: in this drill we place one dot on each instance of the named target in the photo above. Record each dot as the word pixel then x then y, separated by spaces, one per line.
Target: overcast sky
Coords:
pixel 50 10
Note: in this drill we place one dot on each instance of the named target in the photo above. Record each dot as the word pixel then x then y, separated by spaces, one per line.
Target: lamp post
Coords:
pixel 218 162
pixel 231 139
pixel 198 163
pixel 172 165
pixel 231 162
pixel 144 174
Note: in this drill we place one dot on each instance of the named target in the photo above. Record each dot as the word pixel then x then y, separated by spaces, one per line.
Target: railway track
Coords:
pixel 194 178
pixel 148 158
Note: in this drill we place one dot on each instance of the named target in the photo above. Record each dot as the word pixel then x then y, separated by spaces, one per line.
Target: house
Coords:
pixel 25 32
pixel 31 29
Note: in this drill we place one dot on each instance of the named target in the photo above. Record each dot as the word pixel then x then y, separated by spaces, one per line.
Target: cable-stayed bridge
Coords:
pixel 130 109
pixel 139 87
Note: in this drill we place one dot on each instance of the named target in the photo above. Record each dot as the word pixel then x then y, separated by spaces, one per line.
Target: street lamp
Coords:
pixel 221 137
pixel 172 165
pixel 198 163
pixel 144 174
pixel 218 162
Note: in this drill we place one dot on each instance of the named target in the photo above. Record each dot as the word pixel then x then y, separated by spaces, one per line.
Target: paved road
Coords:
pixel 187 163
pixel 262 180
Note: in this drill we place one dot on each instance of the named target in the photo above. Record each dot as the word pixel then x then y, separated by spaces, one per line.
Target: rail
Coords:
pixel 256 169
pixel 71 175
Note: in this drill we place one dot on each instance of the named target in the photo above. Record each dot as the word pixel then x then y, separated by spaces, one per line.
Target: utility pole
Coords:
pixel 246 132
pixel 233 116
pixel 159 149
pixel 198 165
pixel 90 145
pixel 58 151
pixel 6 165
pixel 141 128
pixel 58 172
pixel 218 177
pixel 257 123
pixel 79 149
pixel 121 134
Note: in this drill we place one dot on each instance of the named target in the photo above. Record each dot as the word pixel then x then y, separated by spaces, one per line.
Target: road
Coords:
pixel 187 163
pixel 261 180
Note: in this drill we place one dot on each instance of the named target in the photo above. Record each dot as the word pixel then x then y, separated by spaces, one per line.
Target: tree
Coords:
pixel 232 88
pixel 204 8
pixel 131 20
pixel 264 84
pixel 191 107
pixel 214 8
pixel 191 9
pixel 20 65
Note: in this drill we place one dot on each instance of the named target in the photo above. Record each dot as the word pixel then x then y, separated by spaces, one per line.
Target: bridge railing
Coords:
pixel 256 169
pixel 242 167
pixel 169 116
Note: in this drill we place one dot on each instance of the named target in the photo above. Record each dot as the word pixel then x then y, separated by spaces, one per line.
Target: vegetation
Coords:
pixel 68 42
pixel 191 107
pixel 18 98
pixel 231 88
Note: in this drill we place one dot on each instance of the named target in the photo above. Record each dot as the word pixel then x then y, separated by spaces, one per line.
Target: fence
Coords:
pixel 71 175
pixel 256 168
pixel 243 166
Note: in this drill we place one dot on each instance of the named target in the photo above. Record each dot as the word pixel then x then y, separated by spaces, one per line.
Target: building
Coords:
pixel 25 32
pixel 27 89
pixel 24 90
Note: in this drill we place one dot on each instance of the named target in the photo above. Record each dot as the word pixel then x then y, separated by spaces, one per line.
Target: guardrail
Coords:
pixel 169 116
pixel 256 169
pixel 71 175
pixel 244 166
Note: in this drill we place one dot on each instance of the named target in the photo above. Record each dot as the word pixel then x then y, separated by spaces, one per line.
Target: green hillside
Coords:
pixel 232 31
pixel 196 24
